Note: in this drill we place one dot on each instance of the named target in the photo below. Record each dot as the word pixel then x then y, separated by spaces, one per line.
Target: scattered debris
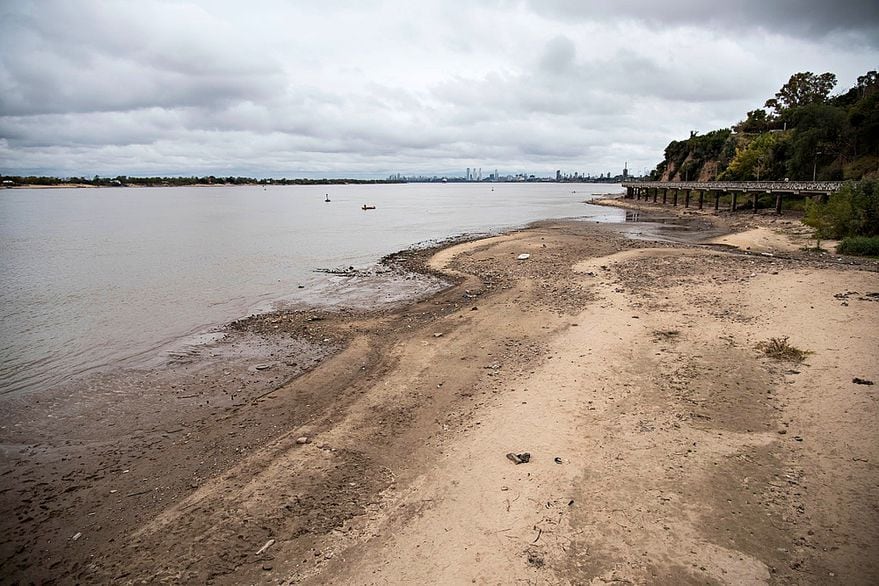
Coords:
pixel 557 460
pixel 263 366
pixel 539 533
pixel 265 547
pixel 861 381
pixel 76 536
pixel 302 440
pixel 524 256
pixel 438 335
pixel 659 335
pixel 522 458
pixel 535 559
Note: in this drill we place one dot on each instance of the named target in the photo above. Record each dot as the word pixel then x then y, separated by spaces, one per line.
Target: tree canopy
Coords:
pixel 802 89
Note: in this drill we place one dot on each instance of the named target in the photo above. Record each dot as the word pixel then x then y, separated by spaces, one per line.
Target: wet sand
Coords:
pixel 369 447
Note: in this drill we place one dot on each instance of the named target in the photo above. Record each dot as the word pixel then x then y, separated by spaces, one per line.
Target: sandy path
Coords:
pixel 667 425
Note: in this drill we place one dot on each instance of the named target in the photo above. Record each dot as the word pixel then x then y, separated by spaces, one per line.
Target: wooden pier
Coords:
pixel 686 192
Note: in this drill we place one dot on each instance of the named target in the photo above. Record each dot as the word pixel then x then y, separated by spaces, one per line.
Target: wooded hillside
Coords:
pixel 802 133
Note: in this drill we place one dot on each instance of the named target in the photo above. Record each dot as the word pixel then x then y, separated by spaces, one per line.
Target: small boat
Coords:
pixel 366 207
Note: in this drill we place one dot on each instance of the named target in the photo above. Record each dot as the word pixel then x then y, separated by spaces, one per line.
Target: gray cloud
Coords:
pixel 796 17
pixel 88 57
pixel 330 89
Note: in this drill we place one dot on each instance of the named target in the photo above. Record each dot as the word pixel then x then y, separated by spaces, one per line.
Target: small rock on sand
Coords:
pixel 522 458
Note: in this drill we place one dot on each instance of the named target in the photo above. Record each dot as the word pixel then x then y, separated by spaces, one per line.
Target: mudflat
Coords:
pixel 666 446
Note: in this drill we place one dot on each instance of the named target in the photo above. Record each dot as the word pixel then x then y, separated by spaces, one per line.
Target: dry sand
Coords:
pixel 665 447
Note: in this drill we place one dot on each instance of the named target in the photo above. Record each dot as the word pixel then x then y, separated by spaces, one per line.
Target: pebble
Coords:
pixel 302 440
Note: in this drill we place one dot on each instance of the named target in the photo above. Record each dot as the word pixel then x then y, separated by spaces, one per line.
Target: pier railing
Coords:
pixel 713 190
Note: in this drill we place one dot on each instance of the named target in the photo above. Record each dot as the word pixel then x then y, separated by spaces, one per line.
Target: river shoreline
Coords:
pixel 103 277
pixel 358 437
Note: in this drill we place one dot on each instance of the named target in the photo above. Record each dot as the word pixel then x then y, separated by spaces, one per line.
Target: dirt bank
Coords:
pixel 665 447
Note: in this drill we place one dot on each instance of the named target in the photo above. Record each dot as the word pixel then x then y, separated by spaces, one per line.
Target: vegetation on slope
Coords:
pixel 802 133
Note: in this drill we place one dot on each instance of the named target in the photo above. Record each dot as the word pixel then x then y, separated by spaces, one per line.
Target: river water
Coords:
pixel 99 277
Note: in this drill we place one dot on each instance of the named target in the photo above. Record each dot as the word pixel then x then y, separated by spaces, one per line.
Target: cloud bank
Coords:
pixel 272 88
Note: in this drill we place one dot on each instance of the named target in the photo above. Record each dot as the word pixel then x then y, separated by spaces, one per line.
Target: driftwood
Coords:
pixel 265 547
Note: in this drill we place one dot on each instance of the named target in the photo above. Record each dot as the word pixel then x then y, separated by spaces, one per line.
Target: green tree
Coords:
pixel 821 136
pixel 863 117
pixel 868 84
pixel 802 89
pixel 757 121
pixel 756 159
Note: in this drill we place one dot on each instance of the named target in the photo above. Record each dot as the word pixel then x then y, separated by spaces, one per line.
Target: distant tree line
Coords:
pixel 124 180
pixel 802 133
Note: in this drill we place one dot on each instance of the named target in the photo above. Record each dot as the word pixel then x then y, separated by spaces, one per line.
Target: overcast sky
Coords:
pixel 365 88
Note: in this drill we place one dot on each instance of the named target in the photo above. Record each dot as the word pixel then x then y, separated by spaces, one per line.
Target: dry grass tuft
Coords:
pixel 781 349
pixel 659 335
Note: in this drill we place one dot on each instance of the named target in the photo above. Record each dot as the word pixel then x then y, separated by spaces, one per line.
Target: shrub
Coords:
pixel 781 349
pixel 859 246
pixel 851 211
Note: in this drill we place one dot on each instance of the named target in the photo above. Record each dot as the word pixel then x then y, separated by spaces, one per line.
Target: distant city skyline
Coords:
pixel 475 175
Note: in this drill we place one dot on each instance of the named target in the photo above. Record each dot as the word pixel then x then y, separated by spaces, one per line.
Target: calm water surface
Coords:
pixel 98 277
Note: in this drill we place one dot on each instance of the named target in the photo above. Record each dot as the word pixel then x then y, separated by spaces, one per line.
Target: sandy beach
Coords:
pixel 357 447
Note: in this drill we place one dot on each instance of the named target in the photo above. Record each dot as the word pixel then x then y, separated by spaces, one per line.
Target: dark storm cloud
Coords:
pixel 793 17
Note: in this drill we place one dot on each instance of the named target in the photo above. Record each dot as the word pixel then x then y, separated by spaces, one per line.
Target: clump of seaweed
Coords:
pixel 781 349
